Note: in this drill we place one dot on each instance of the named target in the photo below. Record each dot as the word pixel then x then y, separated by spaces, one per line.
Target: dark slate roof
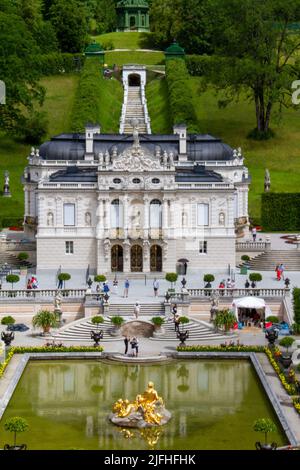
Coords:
pixel 75 174
pixel 199 147
pixel 197 174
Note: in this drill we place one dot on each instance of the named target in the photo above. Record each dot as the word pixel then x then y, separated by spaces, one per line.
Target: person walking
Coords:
pixel 134 346
pixel 281 269
pixel 106 288
pixel 155 287
pixel 136 310
pixel 126 288
pixel 115 286
pixel 126 342
pixel 60 284
pixel 177 323
pixel 254 233
pixel 278 273
pixel 98 290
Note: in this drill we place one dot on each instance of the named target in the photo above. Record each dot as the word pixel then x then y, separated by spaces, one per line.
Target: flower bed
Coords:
pixel 45 349
pixel 16 229
pixel 231 348
pixel 291 388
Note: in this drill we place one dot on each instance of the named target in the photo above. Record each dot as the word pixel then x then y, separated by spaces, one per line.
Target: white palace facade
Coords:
pixel 135 203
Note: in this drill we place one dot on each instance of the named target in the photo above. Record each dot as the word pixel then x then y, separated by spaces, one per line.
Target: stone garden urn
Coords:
pixel 7 337
pixel 182 336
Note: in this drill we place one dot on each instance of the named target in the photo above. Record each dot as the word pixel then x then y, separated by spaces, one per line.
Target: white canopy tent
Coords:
pixel 250 303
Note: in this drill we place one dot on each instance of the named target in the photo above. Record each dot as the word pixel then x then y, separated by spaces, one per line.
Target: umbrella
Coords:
pixel 183 260
pixel 249 302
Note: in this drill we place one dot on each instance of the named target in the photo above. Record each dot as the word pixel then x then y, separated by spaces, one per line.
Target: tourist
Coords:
pixel 60 284
pixel 34 283
pixel 134 346
pixel 247 284
pixel 29 284
pixel 174 309
pixel 106 288
pixel 222 286
pixel 98 290
pixel 177 322
pixel 136 309
pixel 278 273
pixel 126 288
pixel 281 269
pixel 228 284
pixel 115 286
pixel 126 342
pixel 254 233
pixel 155 287
pixel 287 282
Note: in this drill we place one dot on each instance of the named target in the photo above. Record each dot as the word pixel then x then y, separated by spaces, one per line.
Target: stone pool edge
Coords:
pixel 176 355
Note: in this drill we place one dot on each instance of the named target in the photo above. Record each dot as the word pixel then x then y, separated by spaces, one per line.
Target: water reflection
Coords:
pixel 209 401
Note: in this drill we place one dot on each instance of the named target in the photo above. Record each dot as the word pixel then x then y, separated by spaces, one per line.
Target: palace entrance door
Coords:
pixel 117 258
pixel 136 258
pixel 156 258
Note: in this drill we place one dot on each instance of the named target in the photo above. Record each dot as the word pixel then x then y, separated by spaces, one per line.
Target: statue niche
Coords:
pixel 88 219
pixel 50 219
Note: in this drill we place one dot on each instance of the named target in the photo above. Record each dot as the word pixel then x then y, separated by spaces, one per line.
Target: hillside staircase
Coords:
pixel 268 260
pixel 134 109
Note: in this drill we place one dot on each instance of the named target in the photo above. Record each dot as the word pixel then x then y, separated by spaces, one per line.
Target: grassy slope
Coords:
pixel 58 104
pixel 111 105
pixel 124 40
pixel 157 97
pixel 134 57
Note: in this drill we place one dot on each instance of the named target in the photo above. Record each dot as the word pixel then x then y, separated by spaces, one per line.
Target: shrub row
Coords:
pixel 280 211
pixel 180 94
pixel 87 100
pixel 235 348
pixel 11 222
pixel 55 63
pixel 296 301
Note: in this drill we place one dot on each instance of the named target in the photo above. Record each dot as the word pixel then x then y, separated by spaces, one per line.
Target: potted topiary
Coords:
pixel 97 320
pixel 23 257
pixel 255 277
pixel 171 277
pixel 117 322
pixel 208 278
pixel 272 319
pixel 286 359
pixel 63 277
pixel 8 320
pixel 12 279
pixel 15 425
pixel 246 259
pixel 158 322
pixel 45 319
pixel 100 278
pixel 265 425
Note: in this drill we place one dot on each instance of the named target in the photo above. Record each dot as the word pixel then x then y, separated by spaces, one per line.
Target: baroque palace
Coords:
pixel 135 203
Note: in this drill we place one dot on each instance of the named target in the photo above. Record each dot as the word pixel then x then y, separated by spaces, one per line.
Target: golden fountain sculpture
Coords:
pixel 146 410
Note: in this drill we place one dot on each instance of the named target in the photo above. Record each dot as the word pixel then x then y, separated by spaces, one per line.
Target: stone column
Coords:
pixel 146 218
pixel 126 256
pixel 125 215
pixel 146 256
pixel 165 218
pixel 107 218
pixel 100 219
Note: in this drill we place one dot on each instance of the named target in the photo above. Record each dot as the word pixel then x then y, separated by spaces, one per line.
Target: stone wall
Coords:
pixel 51 254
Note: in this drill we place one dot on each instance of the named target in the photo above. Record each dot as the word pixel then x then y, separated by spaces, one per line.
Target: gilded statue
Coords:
pixel 146 410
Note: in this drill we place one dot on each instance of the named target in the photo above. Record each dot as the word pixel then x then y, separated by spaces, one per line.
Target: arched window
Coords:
pixel 116 214
pixel 155 214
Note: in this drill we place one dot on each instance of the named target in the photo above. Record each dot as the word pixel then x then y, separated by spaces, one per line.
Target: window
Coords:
pixel 155 181
pixel 117 181
pixel 155 214
pixel 202 215
pixel 69 248
pixel 203 246
pixel 69 214
pixel 116 214
pixel 136 180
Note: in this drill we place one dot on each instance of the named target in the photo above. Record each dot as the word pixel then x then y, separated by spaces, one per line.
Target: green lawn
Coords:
pixel 157 98
pixel 134 57
pixel 111 105
pixel 13 154
pixel 124 40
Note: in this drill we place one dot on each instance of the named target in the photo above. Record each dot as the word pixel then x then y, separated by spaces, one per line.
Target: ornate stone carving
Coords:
pixel 106 245
pixel 222 218
pixel 50 219
pixel 88 219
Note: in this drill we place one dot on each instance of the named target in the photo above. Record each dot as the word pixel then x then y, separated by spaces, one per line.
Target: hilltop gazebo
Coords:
pixel 174 52
pixel 95 50
pixel 133 15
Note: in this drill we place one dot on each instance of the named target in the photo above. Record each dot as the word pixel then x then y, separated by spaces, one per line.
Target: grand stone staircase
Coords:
pixel 125 310
pixel 11 261
pixel 134 109
pixel 81 331
pixel 268 260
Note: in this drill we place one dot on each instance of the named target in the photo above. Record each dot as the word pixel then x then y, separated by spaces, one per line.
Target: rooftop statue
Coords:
pixel 145 411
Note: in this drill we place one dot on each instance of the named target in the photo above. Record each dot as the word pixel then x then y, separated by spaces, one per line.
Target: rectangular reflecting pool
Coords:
pixel 214 404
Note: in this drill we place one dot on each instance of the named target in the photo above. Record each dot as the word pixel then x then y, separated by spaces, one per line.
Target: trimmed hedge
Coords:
pixel 11 222
pixel 296 301
pixel 197 64
pixel 88 96
pixel 280 211
pixel 56 63
pixel 180 94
